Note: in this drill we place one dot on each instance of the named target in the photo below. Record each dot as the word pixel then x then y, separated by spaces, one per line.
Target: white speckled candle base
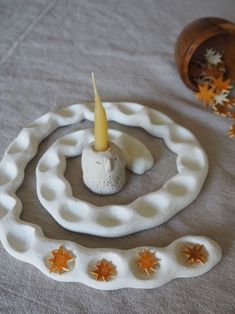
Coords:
pixel 103 172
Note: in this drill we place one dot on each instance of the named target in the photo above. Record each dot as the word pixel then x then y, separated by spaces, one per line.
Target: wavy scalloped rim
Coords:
pixel 55 192
pixel 145 212
pixel 26 241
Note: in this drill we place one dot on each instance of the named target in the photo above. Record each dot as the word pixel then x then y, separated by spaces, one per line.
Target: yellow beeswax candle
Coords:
pixel 101 124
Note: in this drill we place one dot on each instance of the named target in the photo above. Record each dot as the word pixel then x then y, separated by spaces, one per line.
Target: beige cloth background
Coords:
pixel 47 51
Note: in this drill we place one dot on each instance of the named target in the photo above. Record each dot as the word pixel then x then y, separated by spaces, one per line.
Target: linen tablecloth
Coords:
pixel 47 51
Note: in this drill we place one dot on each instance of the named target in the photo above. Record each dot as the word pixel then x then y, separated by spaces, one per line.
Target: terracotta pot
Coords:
pixel 200 35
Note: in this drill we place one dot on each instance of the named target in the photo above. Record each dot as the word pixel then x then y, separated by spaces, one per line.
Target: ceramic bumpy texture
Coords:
pixel 27 242
pixel 147 211
pixel 103 172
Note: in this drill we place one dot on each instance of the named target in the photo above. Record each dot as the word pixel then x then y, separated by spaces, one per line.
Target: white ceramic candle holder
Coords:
pixel 27 243
pixel 104 171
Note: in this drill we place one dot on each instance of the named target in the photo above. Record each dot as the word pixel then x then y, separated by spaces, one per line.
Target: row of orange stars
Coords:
pixel 105 270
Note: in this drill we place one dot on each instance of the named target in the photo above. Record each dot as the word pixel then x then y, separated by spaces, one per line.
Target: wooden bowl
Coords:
pixel 200 35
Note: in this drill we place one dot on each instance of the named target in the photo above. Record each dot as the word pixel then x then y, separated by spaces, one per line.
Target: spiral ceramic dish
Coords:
pixel 145 212
pixel 26 241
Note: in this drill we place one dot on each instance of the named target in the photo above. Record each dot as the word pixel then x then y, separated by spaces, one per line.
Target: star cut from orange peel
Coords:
pixel 222 85
pixel 147 262
pixel 60 260
pixel 231 114
pixel 231 131
pixel 213 71
pixel 206 94
pixel 194 254
pixel 231 102
pixel 104 270
pixel 221 110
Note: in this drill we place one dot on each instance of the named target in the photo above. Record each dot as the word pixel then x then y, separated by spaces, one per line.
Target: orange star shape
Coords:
pixel 147 262
pixel 222 85
pixel 231 114
pixel 194 254
pixel 231 102
pixel 104 270
pixel 213 71
pixel 59 262
pixel 221 110
pixel 231 131
pixel 206 94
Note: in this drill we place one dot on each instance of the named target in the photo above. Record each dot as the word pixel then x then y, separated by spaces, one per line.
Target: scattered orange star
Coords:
pixel 221 110
pixel 104 270
pixel 213 71
pixel 59 262
pixel 194 254
pixel 206 94
pixel 231 102
pixel 147 262
pixel 222 85
pixel 231 114
pixel 231 131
